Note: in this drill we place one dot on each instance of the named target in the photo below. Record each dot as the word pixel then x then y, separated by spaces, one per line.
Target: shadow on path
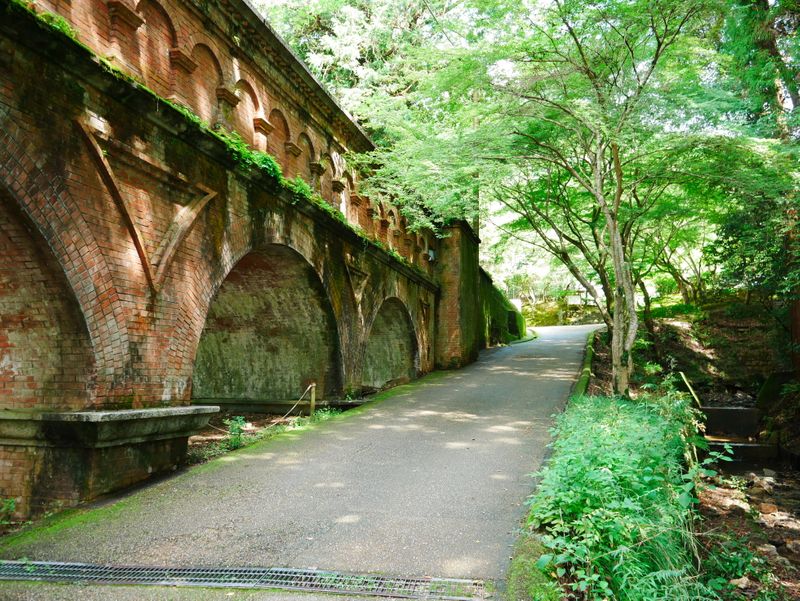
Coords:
pixel 431 481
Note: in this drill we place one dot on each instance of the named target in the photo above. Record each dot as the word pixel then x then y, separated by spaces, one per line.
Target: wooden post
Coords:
pixel 313 404
pixel 689 386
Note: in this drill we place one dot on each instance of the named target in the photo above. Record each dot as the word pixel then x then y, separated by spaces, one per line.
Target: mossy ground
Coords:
pixel 525 581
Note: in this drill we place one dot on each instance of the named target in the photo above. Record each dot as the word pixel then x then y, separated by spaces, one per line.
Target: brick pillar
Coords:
pixel 458 312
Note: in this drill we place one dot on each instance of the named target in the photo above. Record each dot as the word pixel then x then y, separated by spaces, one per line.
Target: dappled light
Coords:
pixel 429 480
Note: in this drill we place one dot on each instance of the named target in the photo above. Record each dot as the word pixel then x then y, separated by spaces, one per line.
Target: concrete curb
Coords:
pixel 582 383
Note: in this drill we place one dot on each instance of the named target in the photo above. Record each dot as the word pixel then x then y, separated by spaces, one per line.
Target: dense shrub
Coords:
pixel 614 501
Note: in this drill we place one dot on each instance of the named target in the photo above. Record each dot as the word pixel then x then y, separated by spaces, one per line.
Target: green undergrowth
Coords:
pixel 237 438
pixel 237 149
pixel 524 580
pixel 614 504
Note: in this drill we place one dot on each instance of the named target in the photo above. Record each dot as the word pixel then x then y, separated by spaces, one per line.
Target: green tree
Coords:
pixel 359 48
pixel 762 38
pixel 604 128
pixel 576 123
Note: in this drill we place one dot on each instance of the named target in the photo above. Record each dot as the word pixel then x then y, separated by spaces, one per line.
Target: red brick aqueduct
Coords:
pixel 147 270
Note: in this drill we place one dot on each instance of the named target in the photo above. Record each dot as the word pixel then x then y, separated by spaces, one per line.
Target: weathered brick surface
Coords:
pixel 269 333
pixel 45 354
pixel 120 225
pixel 391 353
pixel 458 323
pixel 500 320
pixel 183 50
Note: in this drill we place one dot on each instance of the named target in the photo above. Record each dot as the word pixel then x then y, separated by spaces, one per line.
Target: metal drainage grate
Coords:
pixel 260 578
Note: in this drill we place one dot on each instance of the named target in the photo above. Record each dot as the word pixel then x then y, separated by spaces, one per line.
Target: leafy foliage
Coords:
pixel 756 247
pixel 761 36
pixel 236 426
pixel 613 501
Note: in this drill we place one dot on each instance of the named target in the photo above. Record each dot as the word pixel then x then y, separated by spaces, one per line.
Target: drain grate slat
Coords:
pixel 449 589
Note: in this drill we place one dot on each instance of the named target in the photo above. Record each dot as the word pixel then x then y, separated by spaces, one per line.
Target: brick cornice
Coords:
pixel 182 60
pixel 303 86
pixel 292 149
pixel 121 11
pixel 25 29
pixel 262 125
pixel 227 96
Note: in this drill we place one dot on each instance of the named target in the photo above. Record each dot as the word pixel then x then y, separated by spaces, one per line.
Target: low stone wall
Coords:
pixel 58 459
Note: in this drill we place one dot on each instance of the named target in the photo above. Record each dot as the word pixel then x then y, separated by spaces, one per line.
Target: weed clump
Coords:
pixel 614 503
pixel 238 437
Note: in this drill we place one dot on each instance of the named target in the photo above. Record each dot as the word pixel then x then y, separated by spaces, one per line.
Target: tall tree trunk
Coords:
pixel 626 321
pixel 785 82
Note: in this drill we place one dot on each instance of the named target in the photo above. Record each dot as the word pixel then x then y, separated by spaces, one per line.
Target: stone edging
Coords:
pixel 582 384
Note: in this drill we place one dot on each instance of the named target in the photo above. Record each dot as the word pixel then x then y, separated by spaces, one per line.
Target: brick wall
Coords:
pixel 391 353
pixel 182 50
pixel 501 323
pixel 46 358
pixel 269 333
pixel 458 317
pixel 121 223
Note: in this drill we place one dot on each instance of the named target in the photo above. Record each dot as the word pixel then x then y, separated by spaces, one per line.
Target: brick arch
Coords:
pixel 206 78
pixel 383 224
pixel 159 38
pixel 420 249
pixel 183 339
pixel 270 331
pixel 391 349
pixel 353 209
pixel 393 231
pixel 327 177
pixel 278 137
pixel 370 213
pixel 246 110
pixel 46 359
pixel 307 156
pixel 48 205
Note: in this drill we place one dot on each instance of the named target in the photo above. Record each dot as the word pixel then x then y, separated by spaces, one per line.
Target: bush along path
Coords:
pixel 613 504
pixel 615 515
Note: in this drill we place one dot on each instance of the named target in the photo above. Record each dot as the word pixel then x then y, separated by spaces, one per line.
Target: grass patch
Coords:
pixel 238 439
pixel 524 579
pixel 614 502
pixel 676 310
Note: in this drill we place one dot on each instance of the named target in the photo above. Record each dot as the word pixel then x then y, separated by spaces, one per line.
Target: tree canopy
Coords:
pixel 625 138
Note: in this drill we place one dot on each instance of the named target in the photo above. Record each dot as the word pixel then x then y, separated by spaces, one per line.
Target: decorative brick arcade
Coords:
pixel 143 265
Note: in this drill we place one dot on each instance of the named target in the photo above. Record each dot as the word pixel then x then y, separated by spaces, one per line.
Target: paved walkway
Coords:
pixel 429 482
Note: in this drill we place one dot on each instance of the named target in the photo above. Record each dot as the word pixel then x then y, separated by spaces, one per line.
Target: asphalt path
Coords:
pixel 431 481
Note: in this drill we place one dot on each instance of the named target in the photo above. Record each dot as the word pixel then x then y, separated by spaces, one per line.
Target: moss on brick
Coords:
pixel 241 156
pixel 501 321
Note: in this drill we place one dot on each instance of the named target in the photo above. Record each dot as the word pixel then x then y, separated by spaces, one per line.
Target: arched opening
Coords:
pixel 307 157
pixel 159 38
pixel 326 179
pixel 276 141
pixel 46 359
pixel 391 354
pixel 207 77
pixel 246 110
pixel 270 331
